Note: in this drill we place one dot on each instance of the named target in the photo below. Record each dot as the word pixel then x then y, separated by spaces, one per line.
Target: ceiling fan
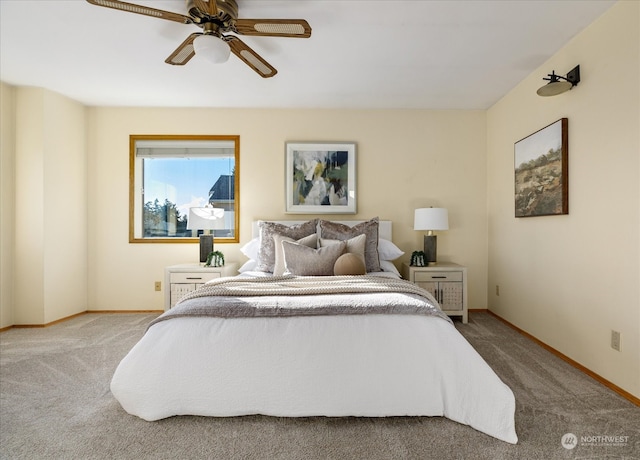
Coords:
pixel 216 18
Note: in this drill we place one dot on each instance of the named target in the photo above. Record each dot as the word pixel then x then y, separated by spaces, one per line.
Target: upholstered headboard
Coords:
pixel 384 227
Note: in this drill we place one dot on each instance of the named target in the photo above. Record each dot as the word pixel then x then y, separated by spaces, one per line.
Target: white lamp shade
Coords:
pixel 211 48
pixel 431 219
pixel 205 218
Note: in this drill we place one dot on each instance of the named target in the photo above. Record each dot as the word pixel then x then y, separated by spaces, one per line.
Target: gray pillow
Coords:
pixel 301 260
pixel 279 268
pixel 336 231
pixel 355 245
pixel 267 251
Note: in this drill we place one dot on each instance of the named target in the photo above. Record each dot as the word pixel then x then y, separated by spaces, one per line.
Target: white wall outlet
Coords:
pixel 615 340
pixel 158 285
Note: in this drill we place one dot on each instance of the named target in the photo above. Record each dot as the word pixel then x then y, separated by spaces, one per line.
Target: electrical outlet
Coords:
pixel 615 340
pixel 158 285
pixel 497 290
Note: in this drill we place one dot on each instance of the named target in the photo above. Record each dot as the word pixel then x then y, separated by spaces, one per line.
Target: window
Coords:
pixel 171 175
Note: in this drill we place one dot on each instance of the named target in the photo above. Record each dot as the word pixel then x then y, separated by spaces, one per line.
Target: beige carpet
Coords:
pixel 55 403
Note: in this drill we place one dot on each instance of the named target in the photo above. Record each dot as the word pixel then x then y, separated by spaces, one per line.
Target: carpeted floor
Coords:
pixel 55 403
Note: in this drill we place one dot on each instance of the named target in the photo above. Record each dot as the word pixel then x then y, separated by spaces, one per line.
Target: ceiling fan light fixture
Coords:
pixel 212 48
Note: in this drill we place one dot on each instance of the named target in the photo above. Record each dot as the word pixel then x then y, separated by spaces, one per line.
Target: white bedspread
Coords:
pixel 360 365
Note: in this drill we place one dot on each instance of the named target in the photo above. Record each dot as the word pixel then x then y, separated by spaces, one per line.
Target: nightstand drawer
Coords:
pixel 197 278
pixel 425 276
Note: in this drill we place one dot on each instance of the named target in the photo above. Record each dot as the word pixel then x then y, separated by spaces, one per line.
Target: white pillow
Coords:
pixel 387 266
pixel 249 266
pixel 251 248
pixel 388 251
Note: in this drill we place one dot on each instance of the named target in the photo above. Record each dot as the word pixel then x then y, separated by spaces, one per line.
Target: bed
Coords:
pixel 294 345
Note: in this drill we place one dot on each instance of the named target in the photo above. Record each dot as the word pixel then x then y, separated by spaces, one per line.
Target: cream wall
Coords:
pixel 7 202
pixel 405 159
pixel 50 232
pixel 570 280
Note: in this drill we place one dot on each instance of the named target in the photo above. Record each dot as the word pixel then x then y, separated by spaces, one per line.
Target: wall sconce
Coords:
pixel 431 219
pixel 559 84
pixel 205 218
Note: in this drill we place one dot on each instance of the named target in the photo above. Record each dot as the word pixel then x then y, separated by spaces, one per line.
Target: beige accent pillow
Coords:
pixel 301 260
pixel 310 241
pixel 355 245
pixel 336 231
pixel 349 264
pixel 267 251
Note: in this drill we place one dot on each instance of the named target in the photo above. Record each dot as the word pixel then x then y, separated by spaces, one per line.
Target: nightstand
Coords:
pixel 182 279
pixel 446 281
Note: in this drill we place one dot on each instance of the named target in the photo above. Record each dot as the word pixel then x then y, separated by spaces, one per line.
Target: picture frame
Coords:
pixel 541 172
pixel 320 177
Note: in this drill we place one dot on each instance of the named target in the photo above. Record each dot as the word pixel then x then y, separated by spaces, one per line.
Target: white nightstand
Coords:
pixel 184 278
pixel 446 281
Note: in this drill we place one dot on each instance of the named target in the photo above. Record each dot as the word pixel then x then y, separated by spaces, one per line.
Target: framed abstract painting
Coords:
pixel 320 177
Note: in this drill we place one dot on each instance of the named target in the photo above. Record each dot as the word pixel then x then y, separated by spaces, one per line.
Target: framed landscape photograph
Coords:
pixel 320 177
pixel 542 172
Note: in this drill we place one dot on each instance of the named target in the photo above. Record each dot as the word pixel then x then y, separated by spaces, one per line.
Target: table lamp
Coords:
pixel 205 218
pixel 431 219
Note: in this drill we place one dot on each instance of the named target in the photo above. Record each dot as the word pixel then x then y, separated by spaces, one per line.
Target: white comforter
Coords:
pixel 353 365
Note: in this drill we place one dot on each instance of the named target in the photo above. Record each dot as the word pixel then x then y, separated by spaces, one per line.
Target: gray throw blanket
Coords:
pixel 285 296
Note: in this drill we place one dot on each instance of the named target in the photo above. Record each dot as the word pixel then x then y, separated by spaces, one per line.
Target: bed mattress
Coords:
pixel 373 365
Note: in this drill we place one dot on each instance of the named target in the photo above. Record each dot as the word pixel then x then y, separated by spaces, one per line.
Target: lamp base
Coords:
pixel 206 247
pixel 430 249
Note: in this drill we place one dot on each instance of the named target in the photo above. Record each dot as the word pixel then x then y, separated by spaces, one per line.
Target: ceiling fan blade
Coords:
pixel 140 9
pixel 250 57
pixel 184 52
pixel 273 27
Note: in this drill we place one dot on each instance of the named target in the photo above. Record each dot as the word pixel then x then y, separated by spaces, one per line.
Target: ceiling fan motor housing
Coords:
pixel 227 12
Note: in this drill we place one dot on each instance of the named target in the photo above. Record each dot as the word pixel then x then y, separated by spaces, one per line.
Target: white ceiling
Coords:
pixel 361 54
